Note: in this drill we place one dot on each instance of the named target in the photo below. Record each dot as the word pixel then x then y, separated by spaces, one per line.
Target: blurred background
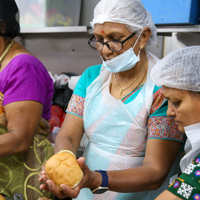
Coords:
pixel 56 31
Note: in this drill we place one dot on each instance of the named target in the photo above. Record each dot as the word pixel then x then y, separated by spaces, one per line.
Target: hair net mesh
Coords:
pixel 129 12
pixel 9 15
pixel 180 69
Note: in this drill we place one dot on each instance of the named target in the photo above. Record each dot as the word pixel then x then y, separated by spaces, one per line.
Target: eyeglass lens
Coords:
pixel 112 45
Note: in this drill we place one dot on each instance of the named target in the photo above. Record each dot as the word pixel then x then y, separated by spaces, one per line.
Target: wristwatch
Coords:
pixel 104 185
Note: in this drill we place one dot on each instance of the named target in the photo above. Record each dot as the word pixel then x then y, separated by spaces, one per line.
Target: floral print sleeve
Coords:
pixel 160 126
pixel 76 105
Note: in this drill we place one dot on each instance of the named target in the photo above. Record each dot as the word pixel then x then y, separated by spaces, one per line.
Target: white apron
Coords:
pixel 192 145
pixel 192 148
pixel 117 132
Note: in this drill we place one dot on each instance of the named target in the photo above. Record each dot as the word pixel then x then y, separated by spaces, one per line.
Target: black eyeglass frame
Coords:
pixel 106 43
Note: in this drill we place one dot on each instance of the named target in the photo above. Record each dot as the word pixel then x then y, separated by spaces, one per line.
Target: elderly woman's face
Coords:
pixel 114 31
pixel 183 106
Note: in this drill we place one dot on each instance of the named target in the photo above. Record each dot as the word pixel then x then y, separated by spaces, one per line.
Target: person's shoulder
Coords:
pixel 91 73
pixel 93 70
pixel 28 59
pixel 28 65
pixel 23 62
pixel 158 95
pixel 88 76
pixel 157 89
pixel 152 58
pixel 158 99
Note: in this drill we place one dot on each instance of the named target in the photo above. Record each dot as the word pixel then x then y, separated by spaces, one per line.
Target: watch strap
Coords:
pixel 104 178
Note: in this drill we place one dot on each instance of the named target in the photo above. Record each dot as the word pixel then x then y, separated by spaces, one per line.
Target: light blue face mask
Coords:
pixel 123 62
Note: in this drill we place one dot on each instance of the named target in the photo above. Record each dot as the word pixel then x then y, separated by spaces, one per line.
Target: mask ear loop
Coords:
pixel 139 54
pixel 136 43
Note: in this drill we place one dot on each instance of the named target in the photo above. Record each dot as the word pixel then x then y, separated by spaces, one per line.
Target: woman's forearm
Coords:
pixel 131 180
pixel 135 179
pixel 11 144
pixel 158 161
pixel 64 143
pixel 70 134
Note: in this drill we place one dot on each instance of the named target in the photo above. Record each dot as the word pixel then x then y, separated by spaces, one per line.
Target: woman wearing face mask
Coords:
pixel 179 75
pixel 122 112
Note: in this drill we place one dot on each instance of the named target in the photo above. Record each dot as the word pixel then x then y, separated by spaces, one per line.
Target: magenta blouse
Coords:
pixel 26 78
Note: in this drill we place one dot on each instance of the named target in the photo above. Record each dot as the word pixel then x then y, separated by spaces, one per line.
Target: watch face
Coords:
pixel 99 190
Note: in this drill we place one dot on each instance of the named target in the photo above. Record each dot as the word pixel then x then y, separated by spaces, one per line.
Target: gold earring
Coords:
pixel 141 47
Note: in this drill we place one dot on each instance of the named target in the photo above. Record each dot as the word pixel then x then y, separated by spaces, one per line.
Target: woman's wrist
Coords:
pixel 97 180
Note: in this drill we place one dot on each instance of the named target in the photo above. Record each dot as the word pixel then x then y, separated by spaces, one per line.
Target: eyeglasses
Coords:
pixel 113 45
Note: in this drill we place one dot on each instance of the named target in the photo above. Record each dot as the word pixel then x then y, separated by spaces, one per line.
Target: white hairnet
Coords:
pixel 180 69
pixel 128 12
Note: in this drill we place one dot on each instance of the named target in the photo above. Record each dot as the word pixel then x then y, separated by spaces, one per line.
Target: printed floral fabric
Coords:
pixel 3 120
pixel 158 100
pixel 187 185
pixel 76 105
pixel 164 128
